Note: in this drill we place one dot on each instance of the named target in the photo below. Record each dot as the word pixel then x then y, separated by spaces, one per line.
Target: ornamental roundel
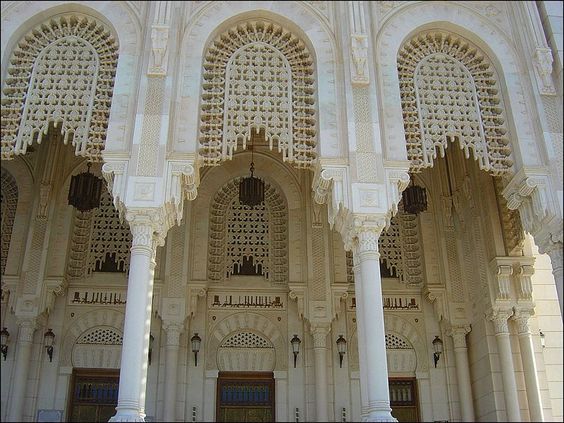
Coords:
pixel 258 76
pixel 61 73
pixel 449 92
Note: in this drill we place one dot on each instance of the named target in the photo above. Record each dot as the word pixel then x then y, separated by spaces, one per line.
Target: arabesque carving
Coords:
pixel 61 72
pixel 449 92
pixel 258 76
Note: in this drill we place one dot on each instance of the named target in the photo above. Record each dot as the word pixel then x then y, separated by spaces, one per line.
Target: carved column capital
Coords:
pixel 27 328
pixel 173 331
pixel 521 317
pixel 366 231
pixel 499 319
pixel 458 334
pixel 148 226
pixel 319 331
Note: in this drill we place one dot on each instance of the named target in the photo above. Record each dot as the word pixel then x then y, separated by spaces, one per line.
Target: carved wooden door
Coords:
pixel 94 395
pixel 245 397
pixel 403 399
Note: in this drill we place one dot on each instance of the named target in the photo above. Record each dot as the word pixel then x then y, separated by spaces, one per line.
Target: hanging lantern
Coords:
pixel 414 199
pixel 85 191
pixel 251 190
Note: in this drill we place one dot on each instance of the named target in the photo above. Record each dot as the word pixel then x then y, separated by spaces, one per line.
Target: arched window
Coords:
pixel 245 241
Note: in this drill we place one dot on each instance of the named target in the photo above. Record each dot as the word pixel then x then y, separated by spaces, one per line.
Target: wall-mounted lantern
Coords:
pixel 196 341
pixel 342 348
pixel 438 348
pixel 49 338
pixel 295 341
pixel 4 336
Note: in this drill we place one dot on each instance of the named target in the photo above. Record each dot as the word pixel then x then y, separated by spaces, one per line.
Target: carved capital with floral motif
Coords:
pixel 499 318
pixel 521 317
pixel 319 331
pixel 458 334
pixel 173 331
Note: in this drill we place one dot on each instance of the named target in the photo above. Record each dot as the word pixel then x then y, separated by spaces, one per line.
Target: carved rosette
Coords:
pixel 499 319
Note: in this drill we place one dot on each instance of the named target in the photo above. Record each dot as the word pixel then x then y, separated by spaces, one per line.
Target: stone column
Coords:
pixel 319 332
pixel 554 250
pixel 373 337
pixel 529 365
pixel 135 349
pixel 173 331
pixel 499 319
pixel 23 354
pixel 458 334
pixel 360 329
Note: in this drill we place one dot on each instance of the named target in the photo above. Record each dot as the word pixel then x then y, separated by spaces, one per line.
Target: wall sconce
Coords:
pixel 342 348
pixel 438 347
pixel 196 341
pixel 49 337
pixel 541 334
pixel 295 341
pixel 151 341
pixel 4 335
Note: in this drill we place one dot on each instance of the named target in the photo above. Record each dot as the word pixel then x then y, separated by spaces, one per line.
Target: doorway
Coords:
pixel 245 397
pixel 403 399
pixel 94 395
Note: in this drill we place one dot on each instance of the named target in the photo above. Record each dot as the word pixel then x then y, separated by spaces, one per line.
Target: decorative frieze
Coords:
pixel 94 297
pixel 393 303
pixel 246 300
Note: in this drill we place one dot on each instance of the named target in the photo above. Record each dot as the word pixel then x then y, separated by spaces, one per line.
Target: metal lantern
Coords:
pixel 251 190
pixel 85 191
pixel 4 336
pixel 49 338
pixel 438 349
pixel 295 341
pixel 342 348
pixel 196 341
pixel 414 199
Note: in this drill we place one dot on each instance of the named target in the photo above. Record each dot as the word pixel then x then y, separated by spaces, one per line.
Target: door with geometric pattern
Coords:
pixel 245 397
pixel 94 395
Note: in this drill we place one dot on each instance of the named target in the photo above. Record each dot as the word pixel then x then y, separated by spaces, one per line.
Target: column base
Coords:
pixel 128 416
pixel 379 416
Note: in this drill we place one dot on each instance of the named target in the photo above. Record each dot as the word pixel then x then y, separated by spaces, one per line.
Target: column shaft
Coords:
pixel 321 384
pixel 555 253
pixel 171 371
pixel 134 356
pixel 530 370
pixel 23 349
pixel 463 374
pixel 375 340
pixel 361 340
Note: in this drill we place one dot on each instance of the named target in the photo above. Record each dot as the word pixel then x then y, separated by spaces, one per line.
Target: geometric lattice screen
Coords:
pixel 61 72
pixel 245 241
pixel 258 76
pixel 450 93
pixel 9 202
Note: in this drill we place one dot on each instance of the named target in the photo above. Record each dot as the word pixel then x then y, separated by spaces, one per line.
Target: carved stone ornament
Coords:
pixel 450 93
pixel 359 53
pixel 115 174
pixel 258 76
pixel 173 331
pixel 542 61
pixel 26 329
pixel 458 334
pixel 330 186
pixel 525 284
pixel 504 273
pixel 499 319
pixel 61 72
pixel 522 317
pixel 319 333
pixel 182 181
pixel 9 205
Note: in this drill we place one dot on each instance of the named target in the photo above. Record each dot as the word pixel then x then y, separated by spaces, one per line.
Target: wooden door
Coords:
pixel 245 397
pixel 94 395
pixel 403 399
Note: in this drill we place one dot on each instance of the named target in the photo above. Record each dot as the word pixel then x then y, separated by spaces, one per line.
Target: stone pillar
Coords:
pixel 554 250
pixel 173 331
pixel 360 329
pixel 499 319
pixel 135 349
pixel 373 337
pixel 529 365
pixel 319 333
pixel 458 334
pixel 23 354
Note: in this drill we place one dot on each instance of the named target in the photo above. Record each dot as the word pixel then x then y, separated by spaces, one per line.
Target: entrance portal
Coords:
pixel 245 397
pixel 94 395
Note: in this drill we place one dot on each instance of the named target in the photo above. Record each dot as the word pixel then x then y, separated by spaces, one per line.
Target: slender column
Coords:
pixel 373 338
pixel 499 319
pixel 319 333
pixel 134 355
pixel 360 330
pixel 555 253
pixel 23 353
pixel 529 365
pixel 458 334
pixel 173 331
